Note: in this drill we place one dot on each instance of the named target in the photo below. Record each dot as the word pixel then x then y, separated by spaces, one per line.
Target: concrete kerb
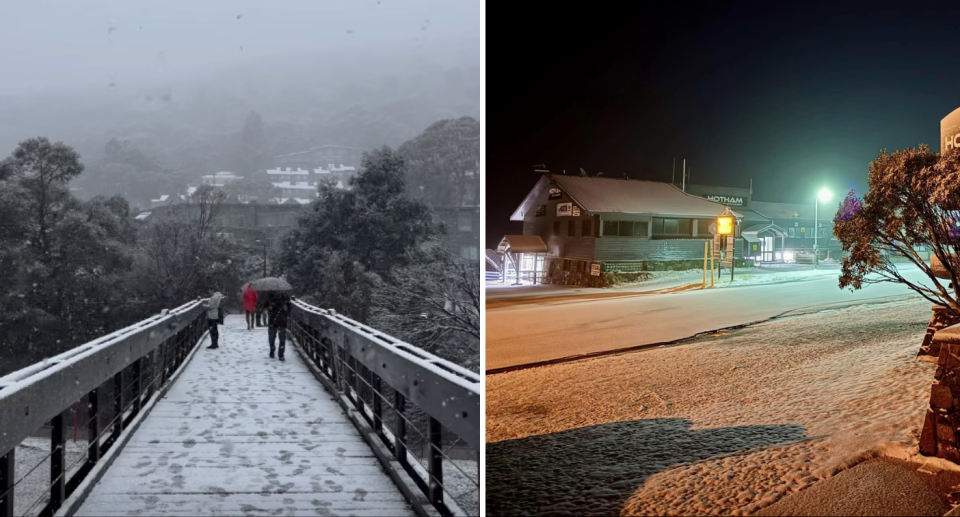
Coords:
pixel 411 492
pixel 76 500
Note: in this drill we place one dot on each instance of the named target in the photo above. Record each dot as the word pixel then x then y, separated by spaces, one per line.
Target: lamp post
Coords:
pixel 823 195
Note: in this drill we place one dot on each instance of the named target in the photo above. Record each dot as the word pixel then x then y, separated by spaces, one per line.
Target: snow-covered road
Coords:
pixel 572 326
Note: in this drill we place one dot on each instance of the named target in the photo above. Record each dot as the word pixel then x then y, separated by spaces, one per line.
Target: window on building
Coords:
pixel 572 228
pixel 671 227
pixel 685 227
pixel 596 226
pixel 556 227
pixel 464 222
pixel 610 228
pixel 640 229
pixel 791 232
pixel 586 227
pixel 625 228
pixel 703 227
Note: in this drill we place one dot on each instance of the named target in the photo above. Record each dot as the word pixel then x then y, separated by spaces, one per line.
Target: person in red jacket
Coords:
pixel 250 304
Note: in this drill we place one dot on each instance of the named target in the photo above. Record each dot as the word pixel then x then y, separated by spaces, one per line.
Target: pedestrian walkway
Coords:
pixel 242 434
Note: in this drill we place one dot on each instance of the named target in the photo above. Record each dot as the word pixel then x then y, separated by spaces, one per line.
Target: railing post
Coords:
pixel 57 468
pixel 436 462
pixel 7 480
pixel 137 385
pixel 118 404
pixel 358 385
pixel 377 406
pixel 93 427
pixel 400 434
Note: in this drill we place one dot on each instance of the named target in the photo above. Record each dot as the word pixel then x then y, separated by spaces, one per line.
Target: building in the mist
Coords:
pixel 615 224
pixel 462 224
pixel 777 232
pixel 609 224
pixel 220 179
pixel 322 156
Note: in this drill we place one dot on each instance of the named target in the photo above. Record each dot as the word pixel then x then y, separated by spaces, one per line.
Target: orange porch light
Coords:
pixel 724 225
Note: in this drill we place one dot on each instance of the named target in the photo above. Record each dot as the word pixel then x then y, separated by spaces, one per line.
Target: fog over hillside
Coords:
pixel 173 80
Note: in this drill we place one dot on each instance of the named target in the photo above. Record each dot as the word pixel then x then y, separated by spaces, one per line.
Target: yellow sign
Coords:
pixel 724 225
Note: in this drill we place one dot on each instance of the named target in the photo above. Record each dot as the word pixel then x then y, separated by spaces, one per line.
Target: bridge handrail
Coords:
pixel 423 366
pixel 41 393
pixel 380 375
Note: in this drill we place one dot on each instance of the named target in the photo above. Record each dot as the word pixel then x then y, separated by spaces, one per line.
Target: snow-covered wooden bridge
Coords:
pixel 353 423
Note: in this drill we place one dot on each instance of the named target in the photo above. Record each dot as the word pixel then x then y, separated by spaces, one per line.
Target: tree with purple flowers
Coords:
pixel 912 202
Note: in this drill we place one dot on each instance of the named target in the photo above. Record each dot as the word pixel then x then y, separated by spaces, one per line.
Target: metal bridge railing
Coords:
pixel 97 389
pixel 425 410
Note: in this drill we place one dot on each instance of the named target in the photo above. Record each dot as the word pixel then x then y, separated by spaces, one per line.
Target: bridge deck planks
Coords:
pixel 241 434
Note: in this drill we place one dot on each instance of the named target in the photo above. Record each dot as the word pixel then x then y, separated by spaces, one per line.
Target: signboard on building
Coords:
pixel 555 193
pixel 564 209
pixel 950 132
pixel 595 269
pixel 576 211
pixel 727 200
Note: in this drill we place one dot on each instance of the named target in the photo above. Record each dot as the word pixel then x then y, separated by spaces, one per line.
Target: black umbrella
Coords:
pixel 272 285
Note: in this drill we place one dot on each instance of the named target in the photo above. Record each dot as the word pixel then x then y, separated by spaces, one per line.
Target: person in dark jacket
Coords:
pixel 278 310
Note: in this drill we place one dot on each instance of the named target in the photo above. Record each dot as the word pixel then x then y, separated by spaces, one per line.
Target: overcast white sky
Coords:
pixel 48 45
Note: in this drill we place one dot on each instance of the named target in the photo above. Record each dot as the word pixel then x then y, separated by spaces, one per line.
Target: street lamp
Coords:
pixel 824 195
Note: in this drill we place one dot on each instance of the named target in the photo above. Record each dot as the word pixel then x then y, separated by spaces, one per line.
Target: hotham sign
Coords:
pixel 727 200
pixel 950 132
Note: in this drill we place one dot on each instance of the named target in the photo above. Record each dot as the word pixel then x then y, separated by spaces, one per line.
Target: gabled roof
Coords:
pixel 624 196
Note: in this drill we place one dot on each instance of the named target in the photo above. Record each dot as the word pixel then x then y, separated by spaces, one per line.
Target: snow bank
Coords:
pixel 725 425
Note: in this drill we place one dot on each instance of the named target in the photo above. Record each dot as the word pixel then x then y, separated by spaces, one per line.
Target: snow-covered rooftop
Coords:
pixel 611 195
pixel 287 184
pixel 142 216
pixel 275 172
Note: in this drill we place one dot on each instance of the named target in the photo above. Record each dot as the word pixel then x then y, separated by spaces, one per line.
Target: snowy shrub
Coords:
pixel 913 198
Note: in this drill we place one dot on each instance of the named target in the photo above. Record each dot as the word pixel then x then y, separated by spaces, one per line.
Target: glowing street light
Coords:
pixel 824 195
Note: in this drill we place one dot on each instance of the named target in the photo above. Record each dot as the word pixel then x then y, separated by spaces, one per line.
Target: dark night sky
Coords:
pixel 794 99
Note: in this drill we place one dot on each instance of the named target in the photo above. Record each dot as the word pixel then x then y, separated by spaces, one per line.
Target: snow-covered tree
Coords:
pixel 913 201
pixel 444 163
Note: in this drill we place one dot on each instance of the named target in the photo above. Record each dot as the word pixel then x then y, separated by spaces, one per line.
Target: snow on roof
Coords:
pixel 287 171
pixel 142 216
pixel 611 195
pixel 163 198
pixel 287 184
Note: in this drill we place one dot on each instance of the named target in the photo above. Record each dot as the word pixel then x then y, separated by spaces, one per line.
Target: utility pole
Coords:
pixel 684 184
pixel 673 176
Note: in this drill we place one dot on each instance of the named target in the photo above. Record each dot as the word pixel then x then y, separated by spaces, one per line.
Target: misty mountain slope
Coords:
pixel 309 100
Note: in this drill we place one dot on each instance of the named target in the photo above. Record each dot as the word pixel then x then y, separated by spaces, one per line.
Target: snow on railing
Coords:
pixel 107 379
pixel 423 408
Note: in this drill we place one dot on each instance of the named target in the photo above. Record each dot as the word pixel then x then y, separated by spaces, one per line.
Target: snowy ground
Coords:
pixel 545 329
pixel 242 434
pixel 32 491
pixel 502 294
pixel 727 424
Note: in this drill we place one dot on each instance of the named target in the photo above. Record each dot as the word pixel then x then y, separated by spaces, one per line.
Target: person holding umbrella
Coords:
pixel 278 308
pixel 250 304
